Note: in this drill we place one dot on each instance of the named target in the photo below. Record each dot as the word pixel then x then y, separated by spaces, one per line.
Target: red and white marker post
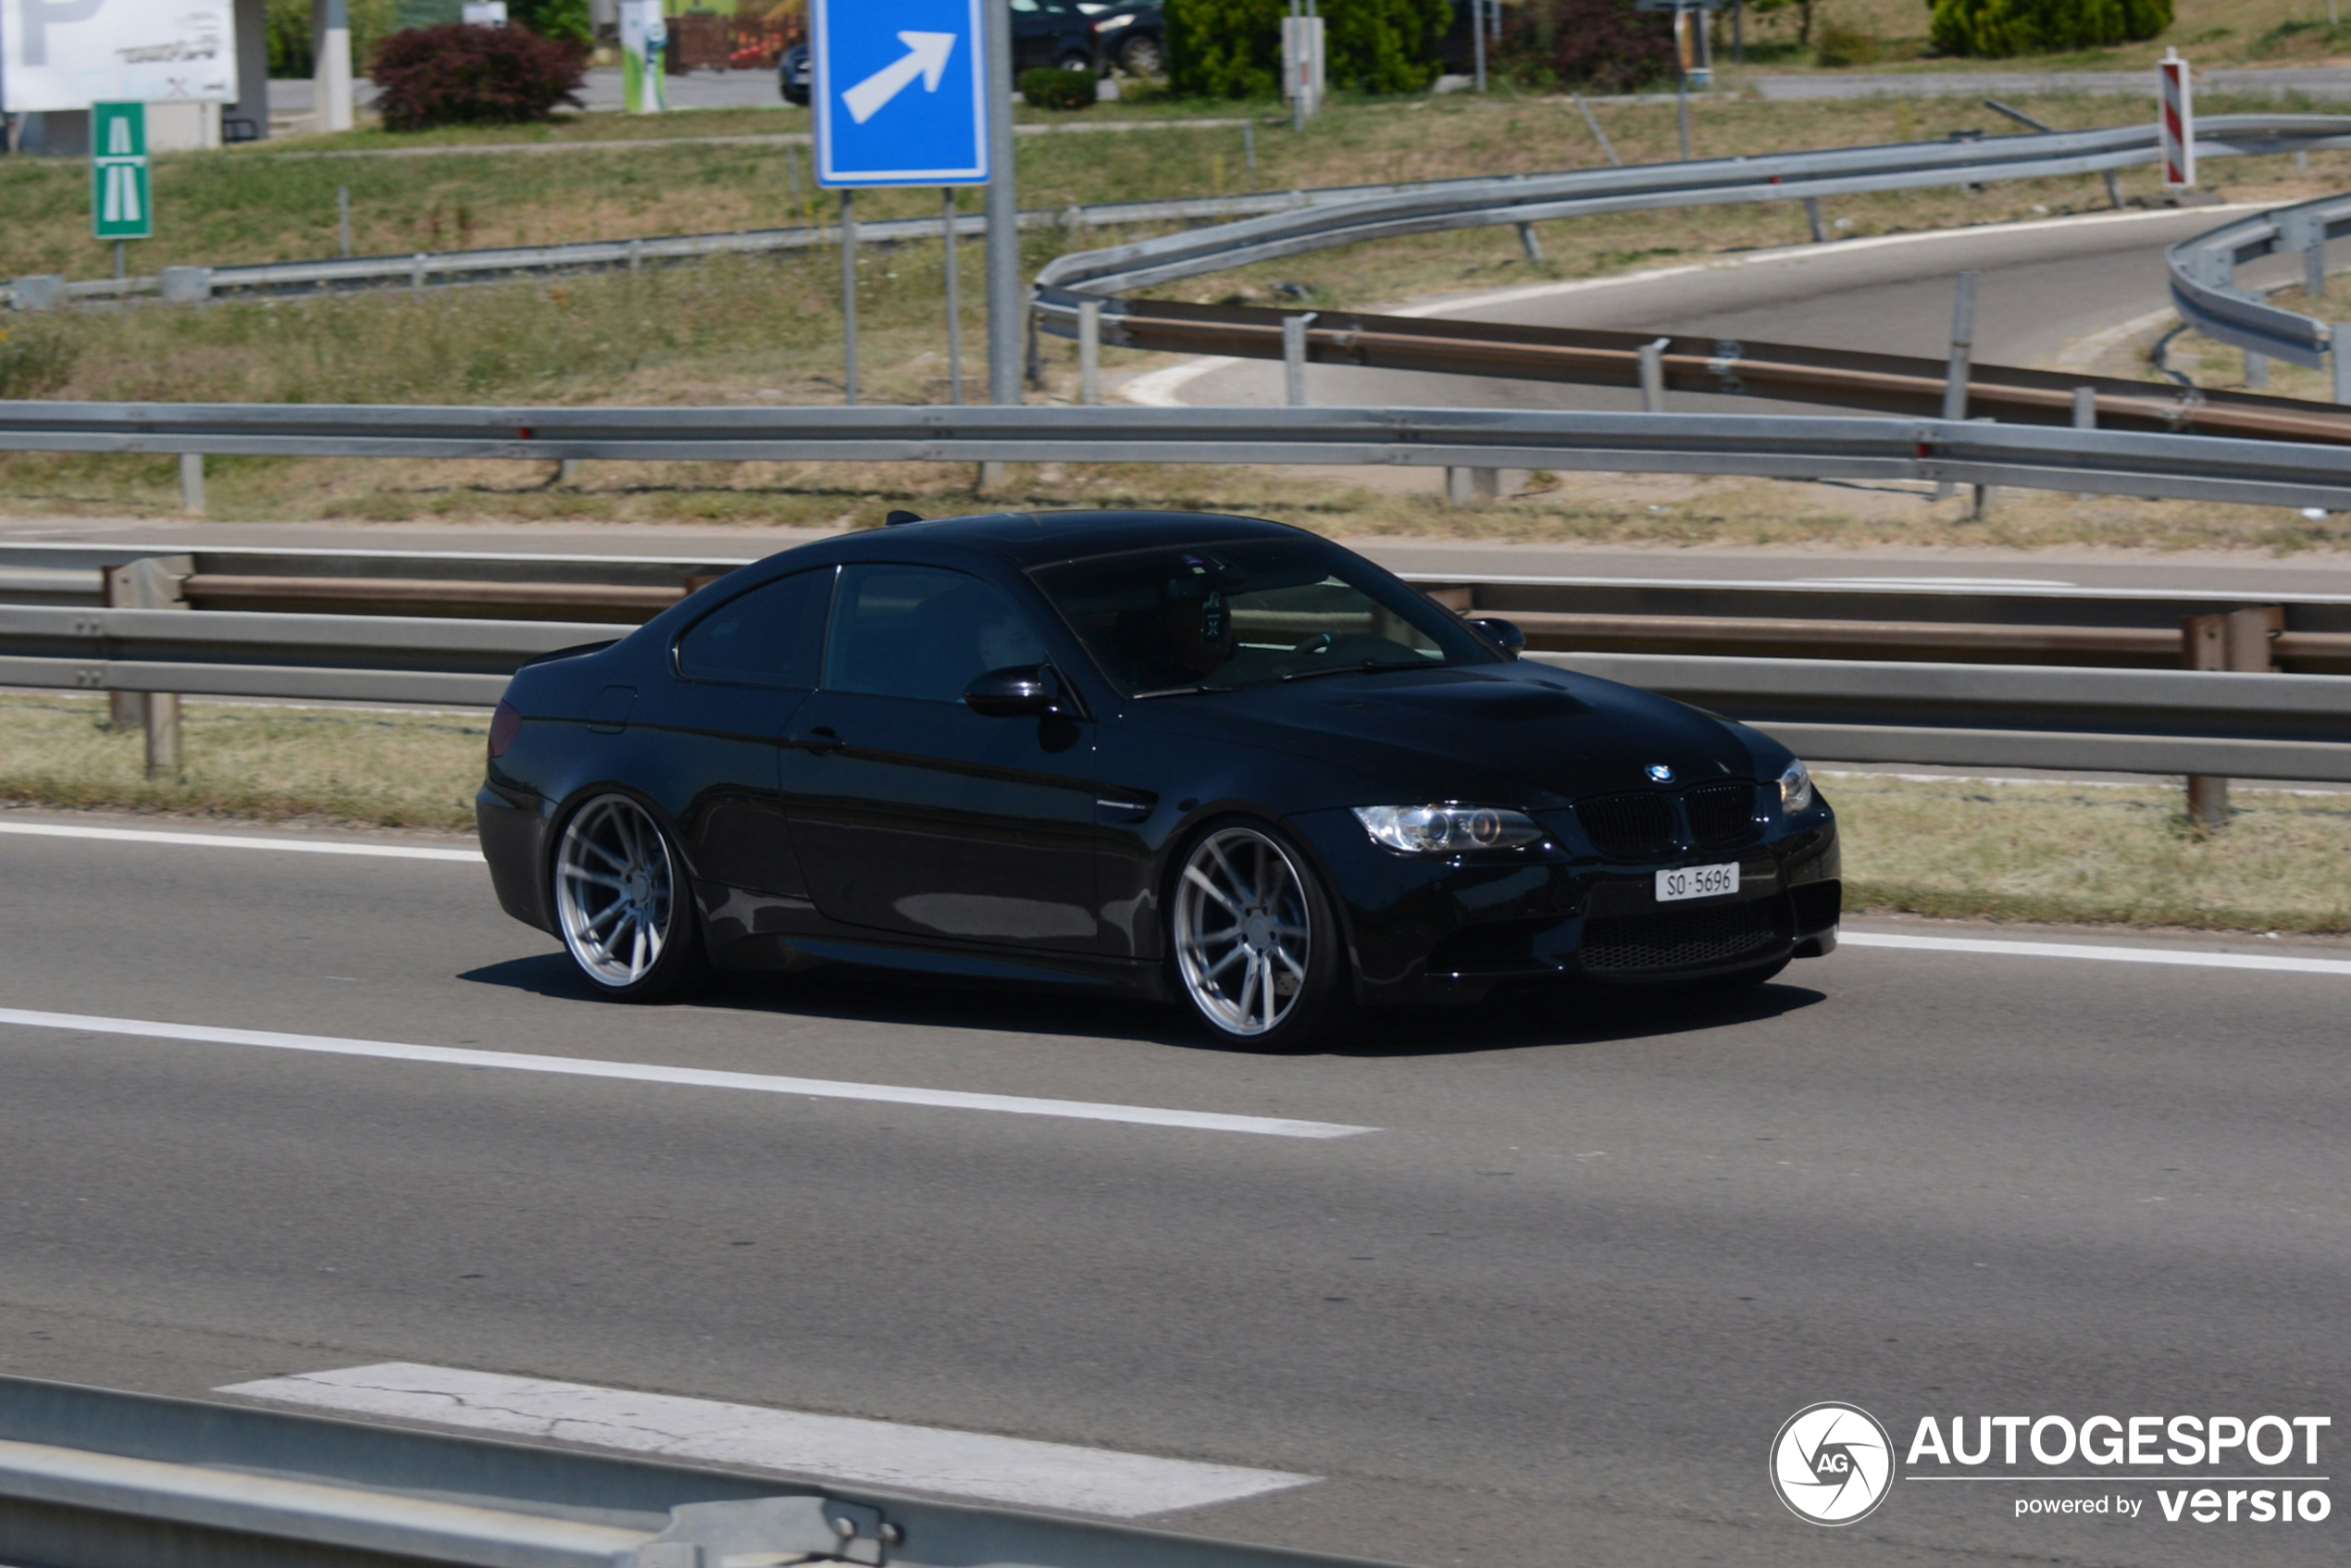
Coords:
pixel 2178 118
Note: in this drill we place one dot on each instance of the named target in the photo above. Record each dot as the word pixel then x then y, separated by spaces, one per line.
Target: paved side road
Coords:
pixel 1553 1310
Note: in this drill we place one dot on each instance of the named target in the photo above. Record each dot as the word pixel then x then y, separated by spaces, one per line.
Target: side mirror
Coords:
pixel 1506 633
pixel 1009 694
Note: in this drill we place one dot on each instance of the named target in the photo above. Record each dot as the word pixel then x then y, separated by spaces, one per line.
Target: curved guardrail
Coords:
pixel 1470 203
pixel 2205 292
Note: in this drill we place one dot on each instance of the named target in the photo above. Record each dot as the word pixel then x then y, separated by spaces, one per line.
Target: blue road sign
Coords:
pixel 900 92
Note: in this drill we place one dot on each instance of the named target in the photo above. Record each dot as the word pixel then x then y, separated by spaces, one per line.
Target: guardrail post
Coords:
pixel 417 273
pixel 2113 188
pixel 2257 371
pixel 163 734
pixel 2342 367
pixel 151 582
pixel 1294 358
pixel 1089 351
pixel 1653 376
pixel 1528 242
pixel 41 292
pixel 849 296
pixel 1812 216
pixel 1593 121
pixel 1465 487
pixel 1955 373
pixel 2239 640
pixel 192 483
pixel 2085 409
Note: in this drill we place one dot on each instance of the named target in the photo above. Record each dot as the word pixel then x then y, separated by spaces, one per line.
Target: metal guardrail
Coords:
pixel 2113 463
pixel 91 1478
pixel 1657 365
pixel 1962 621
pixel 2205 292
pixel 306 658
pixel 2196 722
pixel 1465 204
pixel 2123 721
pixel 1291 223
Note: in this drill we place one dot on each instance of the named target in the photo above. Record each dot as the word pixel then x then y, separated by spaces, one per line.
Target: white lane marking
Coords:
pixel 690 1077
pixel 883 1453
pixel 2185 958
pixel 235 841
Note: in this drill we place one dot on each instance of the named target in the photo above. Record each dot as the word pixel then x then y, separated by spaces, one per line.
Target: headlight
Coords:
pixel 1796 789
pixel 1111 24
pixel 1447 830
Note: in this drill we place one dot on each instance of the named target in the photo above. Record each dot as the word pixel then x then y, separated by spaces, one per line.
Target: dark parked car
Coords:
pixel 1132 38
pixel 794 74
pixel 1052 32
pixel 1208 760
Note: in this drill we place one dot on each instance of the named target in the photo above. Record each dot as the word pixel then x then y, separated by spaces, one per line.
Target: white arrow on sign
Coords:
pixel 927 57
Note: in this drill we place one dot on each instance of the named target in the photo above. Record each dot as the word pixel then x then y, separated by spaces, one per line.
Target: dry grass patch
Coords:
pixel 2056 851
pixel 345 765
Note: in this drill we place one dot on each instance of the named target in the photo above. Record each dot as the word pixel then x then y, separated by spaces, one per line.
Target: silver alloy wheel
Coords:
pixel 1243 931
pixel 615 891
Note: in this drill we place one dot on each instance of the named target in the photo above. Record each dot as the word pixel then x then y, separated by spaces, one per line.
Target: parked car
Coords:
pixel 795 73
pixel 1212 761
pixel 1052 32
pixel 1132 38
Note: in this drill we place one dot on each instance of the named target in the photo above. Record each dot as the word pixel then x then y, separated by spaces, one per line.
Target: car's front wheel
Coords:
pixel 622 901
pixel 1253 941
pixel 1143 57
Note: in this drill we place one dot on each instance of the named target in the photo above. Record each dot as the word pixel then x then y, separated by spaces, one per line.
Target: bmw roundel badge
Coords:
pixel 1660 774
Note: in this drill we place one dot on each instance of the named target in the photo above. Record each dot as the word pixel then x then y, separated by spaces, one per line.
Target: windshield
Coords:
pixel 1211 618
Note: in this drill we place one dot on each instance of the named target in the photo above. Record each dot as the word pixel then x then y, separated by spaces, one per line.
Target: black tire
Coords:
pixel 1243 894
pixel 623 903
pixel 1143 57
pixel 1075 61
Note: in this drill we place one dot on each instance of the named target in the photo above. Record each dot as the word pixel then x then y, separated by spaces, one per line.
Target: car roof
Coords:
pixel 1032 539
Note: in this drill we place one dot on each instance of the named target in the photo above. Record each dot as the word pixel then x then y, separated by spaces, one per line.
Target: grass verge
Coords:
pixel 1953 847
pixel 261 763
pixel 2093 853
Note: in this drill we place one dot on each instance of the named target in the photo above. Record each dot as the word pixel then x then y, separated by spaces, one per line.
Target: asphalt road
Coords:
pixel 1553 1311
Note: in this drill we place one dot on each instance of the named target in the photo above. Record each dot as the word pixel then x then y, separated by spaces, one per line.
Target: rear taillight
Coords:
pixel 505 725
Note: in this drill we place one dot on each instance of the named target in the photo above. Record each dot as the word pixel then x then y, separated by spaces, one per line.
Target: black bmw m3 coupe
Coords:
pixel 1213 761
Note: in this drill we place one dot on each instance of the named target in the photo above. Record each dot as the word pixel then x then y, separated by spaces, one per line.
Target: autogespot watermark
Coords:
pixel 1834 1465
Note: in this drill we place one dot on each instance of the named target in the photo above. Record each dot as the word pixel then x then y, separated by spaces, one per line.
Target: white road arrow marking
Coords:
pixel 927 57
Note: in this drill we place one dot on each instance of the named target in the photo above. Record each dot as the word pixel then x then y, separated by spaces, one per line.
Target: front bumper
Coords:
pixel 1436 929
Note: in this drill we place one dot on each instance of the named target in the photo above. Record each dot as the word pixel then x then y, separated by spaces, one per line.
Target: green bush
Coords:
pixel 1046 88
pixel 1842 46
pixel 1998 28
pixel 1233 49
pixel 372 21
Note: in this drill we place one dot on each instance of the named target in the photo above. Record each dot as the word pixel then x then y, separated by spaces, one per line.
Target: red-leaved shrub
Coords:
pixel 1598 46
pixel 462 75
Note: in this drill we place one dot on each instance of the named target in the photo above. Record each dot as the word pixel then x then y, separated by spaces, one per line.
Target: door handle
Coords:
pixel 820 740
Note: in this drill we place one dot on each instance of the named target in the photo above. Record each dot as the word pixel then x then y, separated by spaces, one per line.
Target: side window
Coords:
pixel 923 632
pixel 772 636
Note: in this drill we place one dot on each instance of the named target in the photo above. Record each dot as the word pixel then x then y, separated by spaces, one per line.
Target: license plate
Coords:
pixel 1698 883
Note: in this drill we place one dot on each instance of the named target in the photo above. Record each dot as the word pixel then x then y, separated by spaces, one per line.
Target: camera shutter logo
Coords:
pixel 1833 1464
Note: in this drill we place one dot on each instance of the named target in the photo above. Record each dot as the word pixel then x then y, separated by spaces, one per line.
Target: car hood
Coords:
pixel 1519 734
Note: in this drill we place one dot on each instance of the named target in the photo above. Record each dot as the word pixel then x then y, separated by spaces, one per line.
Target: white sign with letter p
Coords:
pixel 59 55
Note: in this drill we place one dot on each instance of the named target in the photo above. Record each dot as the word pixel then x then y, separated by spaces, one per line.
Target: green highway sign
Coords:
pixel 121 194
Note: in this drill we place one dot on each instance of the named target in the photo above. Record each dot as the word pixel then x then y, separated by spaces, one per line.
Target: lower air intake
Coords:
pixel 1684 938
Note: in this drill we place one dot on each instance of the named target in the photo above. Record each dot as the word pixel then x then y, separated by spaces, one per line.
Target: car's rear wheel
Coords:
pixel 1254 944
pixel 622 903
pixel 1075 60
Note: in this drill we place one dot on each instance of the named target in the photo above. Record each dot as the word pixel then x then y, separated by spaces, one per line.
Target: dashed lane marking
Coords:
pixel 689 1077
